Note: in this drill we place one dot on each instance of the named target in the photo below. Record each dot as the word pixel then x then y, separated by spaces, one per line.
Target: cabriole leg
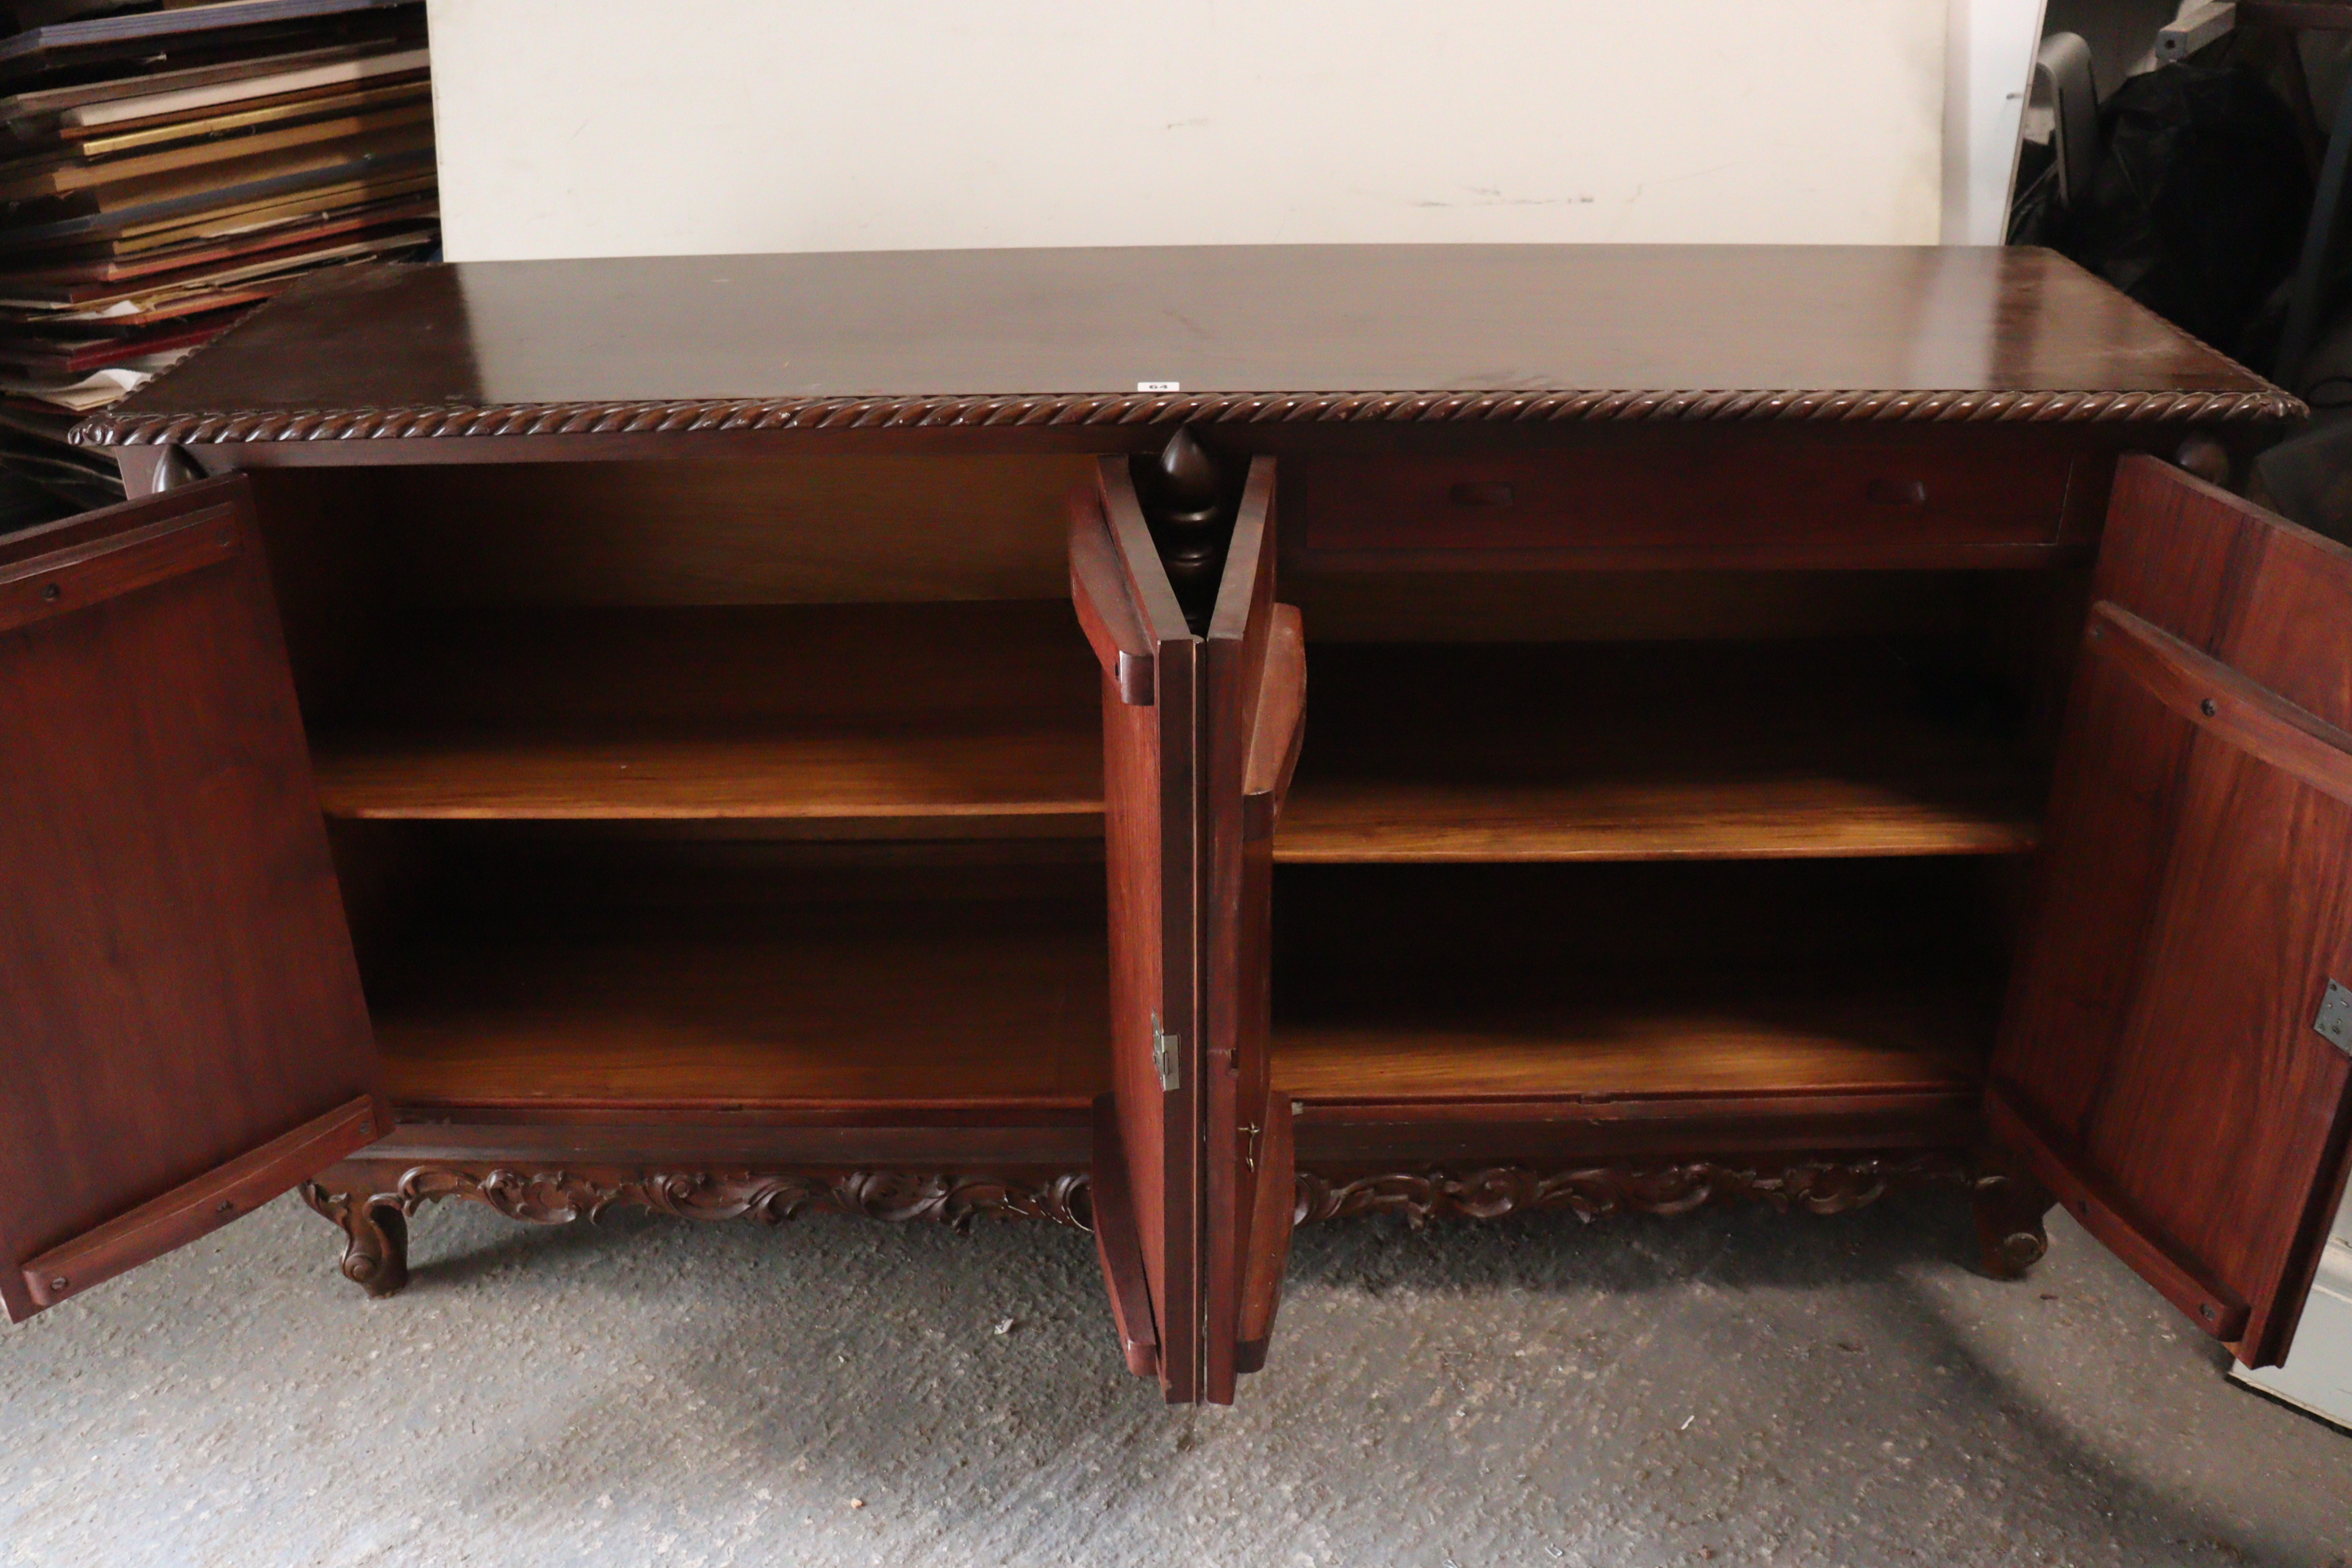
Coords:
pixel 376 1231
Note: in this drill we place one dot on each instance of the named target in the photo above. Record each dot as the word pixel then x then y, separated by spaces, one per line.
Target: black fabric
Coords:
pixel 2198 205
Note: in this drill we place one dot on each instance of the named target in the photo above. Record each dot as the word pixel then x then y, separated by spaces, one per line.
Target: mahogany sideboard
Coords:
pixel 760 735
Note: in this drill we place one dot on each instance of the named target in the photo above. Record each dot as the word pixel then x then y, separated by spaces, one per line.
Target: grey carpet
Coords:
pixel 1734 1387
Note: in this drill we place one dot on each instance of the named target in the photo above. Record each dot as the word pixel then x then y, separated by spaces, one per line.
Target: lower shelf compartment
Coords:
pixel 1740 1036
pixel 1707 987
pixel 829 994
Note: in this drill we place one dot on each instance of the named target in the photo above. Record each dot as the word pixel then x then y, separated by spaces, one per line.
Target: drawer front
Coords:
pixel 1715 503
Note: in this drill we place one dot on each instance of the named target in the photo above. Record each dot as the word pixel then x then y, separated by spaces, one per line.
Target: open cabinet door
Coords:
pixel 2173 1062
pixel 1252 705
pixel 183 1037
pixel 1146 1131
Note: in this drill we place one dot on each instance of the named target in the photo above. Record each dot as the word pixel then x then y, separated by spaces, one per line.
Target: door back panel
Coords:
pixel 2160 1063
pixel 1148 657
pixel 184 1031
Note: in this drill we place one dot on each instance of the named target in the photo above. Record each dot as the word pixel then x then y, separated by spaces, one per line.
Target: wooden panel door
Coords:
pixel 183 1037
pixel 2174 1063
pixel 1253 706
pixel 1146 1131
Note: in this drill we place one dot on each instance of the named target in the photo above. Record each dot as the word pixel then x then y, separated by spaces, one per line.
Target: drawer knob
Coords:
pixel 1482 492
pixel 1899 492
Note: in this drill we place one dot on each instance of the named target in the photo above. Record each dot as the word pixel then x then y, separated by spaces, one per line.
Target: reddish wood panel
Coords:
pixel 201 1206
pixel 181 983
pixel 1265 1250
pixel 1238 882
pixel 1149 791
pixel 1116 1245
pixel 1891 502
pixel 2159 1058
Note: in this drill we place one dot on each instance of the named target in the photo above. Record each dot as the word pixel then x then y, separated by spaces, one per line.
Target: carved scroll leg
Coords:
pixel 375 1251
pixel 2008 1206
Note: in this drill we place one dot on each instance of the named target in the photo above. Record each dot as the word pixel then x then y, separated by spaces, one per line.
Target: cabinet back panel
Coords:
pixel 1639 606
pixel 770 530
pixel 1630 751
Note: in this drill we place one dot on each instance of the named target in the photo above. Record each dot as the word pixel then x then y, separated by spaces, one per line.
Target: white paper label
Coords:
pixel 1158 386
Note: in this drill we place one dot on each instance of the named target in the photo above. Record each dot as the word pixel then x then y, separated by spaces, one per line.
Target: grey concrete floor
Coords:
pixel 1734 1387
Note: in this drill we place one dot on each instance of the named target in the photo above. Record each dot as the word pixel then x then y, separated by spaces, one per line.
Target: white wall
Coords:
pixel 649 127
pixel 1989 65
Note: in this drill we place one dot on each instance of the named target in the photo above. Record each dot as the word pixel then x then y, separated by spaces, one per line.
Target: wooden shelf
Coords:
pixel 946 721
pixel 1652 1041
pixel 1033 781
pixel 977 1005
pixel 1736 979
pixel 1656 752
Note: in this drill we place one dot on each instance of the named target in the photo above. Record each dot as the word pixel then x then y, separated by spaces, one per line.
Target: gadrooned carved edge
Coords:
pixel 1821 1186
pixel 127 428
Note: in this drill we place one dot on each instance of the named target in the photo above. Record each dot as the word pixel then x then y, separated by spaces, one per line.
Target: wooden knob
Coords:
pixel 2203 455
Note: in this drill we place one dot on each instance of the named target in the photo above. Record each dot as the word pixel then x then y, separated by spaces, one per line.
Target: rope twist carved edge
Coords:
pixel 135 429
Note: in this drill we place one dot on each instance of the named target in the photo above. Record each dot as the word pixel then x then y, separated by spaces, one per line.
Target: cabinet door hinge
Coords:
pixel 2334 1023
pixel 1164 1046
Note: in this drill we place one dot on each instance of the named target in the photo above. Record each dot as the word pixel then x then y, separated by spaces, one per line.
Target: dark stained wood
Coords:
pixel 1150 793
pixel 1243 690
pixel 1277 724
pixel 1630 989
pixel 1746 499
pixel 1116 1245
pixel 2117 1221
pixel 1707 750
pixel 202 1206
pixel 1393 1134
pixel 914 721
pixel 1266 1251
pixel 1591 605
pixel 819 530
pixel 1236 326
pixel 1746 1034
pixel 704 1003
pixel 2158 1060
pixel 371 1198
pixel 806 667
pixel 720 819
pixel 1023 783
pixel 70 577
pixel 182 990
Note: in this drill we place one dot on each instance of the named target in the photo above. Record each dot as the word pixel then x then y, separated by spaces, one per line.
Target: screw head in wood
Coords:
pixel 226 1206
pixel 51 592
pixel 59 1283
pixel 2209 708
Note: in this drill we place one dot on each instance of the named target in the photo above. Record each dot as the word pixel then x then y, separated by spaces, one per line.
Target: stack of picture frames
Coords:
pixel 164 169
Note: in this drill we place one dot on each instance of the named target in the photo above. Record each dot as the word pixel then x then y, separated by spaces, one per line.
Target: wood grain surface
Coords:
pixel 180 986
pixel 1635 752
pixel 2158 1057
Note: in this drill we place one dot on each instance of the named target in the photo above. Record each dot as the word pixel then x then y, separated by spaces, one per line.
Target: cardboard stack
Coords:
pixel 164 169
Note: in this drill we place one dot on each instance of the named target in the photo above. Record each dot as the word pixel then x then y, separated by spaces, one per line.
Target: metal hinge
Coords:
pixel 2334 1023
pixel 1164 1046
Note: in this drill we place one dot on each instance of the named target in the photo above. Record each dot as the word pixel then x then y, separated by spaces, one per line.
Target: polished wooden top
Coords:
pixel 1083 336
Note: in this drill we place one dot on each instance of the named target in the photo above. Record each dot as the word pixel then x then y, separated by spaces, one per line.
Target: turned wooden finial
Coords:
pixel 1184 501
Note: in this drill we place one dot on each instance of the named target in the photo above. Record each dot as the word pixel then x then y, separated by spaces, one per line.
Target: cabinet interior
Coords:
pixel 775 789
pixel 759 789
pixel 1715 840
